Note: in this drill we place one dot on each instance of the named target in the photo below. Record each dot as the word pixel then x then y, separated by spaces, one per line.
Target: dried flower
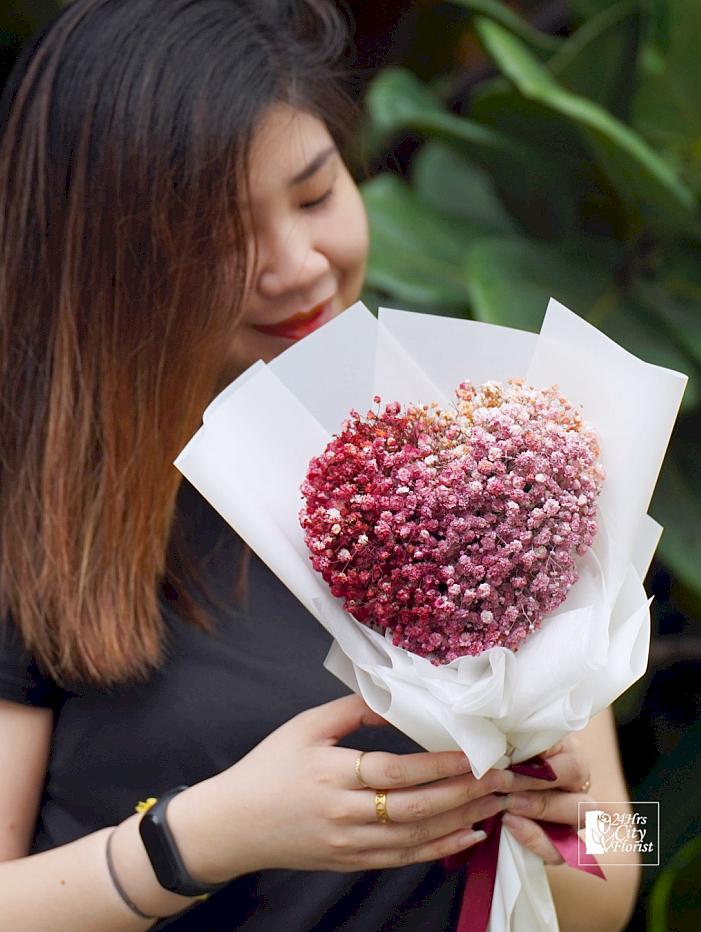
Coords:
pixel 456 530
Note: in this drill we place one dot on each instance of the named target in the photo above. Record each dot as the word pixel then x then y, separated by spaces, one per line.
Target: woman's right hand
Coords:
pixel 295 802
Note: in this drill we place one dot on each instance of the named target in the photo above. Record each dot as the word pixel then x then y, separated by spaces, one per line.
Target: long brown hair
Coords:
pixel 122 264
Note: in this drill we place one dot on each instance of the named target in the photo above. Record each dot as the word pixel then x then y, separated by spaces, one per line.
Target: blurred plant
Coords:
pixel 680 876
pixel 575 172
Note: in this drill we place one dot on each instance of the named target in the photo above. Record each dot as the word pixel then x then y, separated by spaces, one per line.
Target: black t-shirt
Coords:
pixel 215 697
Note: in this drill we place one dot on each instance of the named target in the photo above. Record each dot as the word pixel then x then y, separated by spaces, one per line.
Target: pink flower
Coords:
pixel 455 531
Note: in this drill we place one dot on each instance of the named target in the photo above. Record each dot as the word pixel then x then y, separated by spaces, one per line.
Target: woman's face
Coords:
pixel 307 221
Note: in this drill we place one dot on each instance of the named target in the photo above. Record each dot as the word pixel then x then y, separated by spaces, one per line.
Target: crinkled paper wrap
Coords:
pixel 252 453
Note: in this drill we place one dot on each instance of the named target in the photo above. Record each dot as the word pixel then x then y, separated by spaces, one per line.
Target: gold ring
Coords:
pixel 357 770
pixel 381 806
pixel 584 788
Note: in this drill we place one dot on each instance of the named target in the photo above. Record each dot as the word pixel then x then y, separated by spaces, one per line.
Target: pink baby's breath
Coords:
pixel 456 531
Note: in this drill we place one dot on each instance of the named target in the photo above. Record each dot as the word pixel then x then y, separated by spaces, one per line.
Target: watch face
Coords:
pixel 159 847
pixel 163 853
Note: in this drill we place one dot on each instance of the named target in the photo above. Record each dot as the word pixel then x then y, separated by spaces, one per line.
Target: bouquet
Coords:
pixel 445 661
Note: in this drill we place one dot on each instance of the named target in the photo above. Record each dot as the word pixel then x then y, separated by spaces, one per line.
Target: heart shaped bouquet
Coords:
pixel 455 530
pixel 497 579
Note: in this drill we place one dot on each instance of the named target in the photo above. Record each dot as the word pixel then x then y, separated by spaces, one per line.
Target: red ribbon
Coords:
pixel 482 858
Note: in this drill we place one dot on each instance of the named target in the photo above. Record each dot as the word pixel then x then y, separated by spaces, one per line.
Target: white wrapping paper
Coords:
pixel 251 455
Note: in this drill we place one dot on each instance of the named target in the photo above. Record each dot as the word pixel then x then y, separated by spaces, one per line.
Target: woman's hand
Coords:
pixel 295 802
pixel 560 802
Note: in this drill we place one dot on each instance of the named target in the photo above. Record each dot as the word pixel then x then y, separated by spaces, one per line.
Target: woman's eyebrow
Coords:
pixel 313 166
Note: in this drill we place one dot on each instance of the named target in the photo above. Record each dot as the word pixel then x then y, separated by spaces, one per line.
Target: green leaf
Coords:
pixel 592 204
pixel 598 60
pixel 676 504
pixel 511 279
pixel 538 193
pixel 674 782
pixel 495 103
pixel 584 9
pixel 667 105
pixel 416 254
pixel 642 179
pixel 515 24
pixel 397 100
pixel 659 903
pixel 446 181
pixel 673 296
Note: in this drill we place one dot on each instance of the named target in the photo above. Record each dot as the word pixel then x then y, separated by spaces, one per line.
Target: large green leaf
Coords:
pixel 538 193
pixel 416 254
pixel 643 180
pixel 445 180
pixel 511 21
pixel 673 296
pixel 686 863
pixel 510 279
pixel 397 100
pixel 667 106
pixel 496 103
pixel 594 205
pixel 674 783
pixel 584 9
pixel 598 60
pixel 677 505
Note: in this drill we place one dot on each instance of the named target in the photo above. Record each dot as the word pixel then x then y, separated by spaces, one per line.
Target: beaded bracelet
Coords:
pixel 116 883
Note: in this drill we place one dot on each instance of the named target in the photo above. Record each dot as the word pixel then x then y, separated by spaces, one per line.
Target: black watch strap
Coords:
pixel 163 852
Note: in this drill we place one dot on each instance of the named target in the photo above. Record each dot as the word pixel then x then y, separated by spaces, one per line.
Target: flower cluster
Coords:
pixel 455 530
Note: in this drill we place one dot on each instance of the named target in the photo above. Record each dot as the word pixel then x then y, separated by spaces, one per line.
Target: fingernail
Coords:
pixel 511 821
pixel 506 779
pixel 516 802
pixel 470 838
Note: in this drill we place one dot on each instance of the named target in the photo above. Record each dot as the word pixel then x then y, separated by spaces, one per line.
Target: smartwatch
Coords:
pixel 163 852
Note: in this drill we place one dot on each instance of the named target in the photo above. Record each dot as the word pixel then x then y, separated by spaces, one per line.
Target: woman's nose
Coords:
pixel 291 263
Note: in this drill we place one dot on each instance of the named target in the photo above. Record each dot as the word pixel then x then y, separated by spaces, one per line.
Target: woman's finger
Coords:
pixel 550 805
pixel 422 802
pixel 390 834
pixel 571 772
pixel 415 809
pixel 378 859
pixel 334 720
pixel 383 771
pixel 571 769
pixel 532 836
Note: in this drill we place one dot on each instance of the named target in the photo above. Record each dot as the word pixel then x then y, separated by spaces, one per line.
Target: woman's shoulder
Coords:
pixel 21 679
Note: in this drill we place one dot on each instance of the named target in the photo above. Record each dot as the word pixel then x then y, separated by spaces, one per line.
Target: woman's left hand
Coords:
pixel 560 802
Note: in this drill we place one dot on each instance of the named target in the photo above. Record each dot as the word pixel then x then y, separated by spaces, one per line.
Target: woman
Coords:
pixel 175 208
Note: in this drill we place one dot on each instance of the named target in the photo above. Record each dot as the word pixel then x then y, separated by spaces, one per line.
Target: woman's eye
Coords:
pixel 317 201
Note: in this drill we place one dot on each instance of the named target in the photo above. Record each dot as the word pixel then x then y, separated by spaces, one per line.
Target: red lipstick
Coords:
pixel 297 326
